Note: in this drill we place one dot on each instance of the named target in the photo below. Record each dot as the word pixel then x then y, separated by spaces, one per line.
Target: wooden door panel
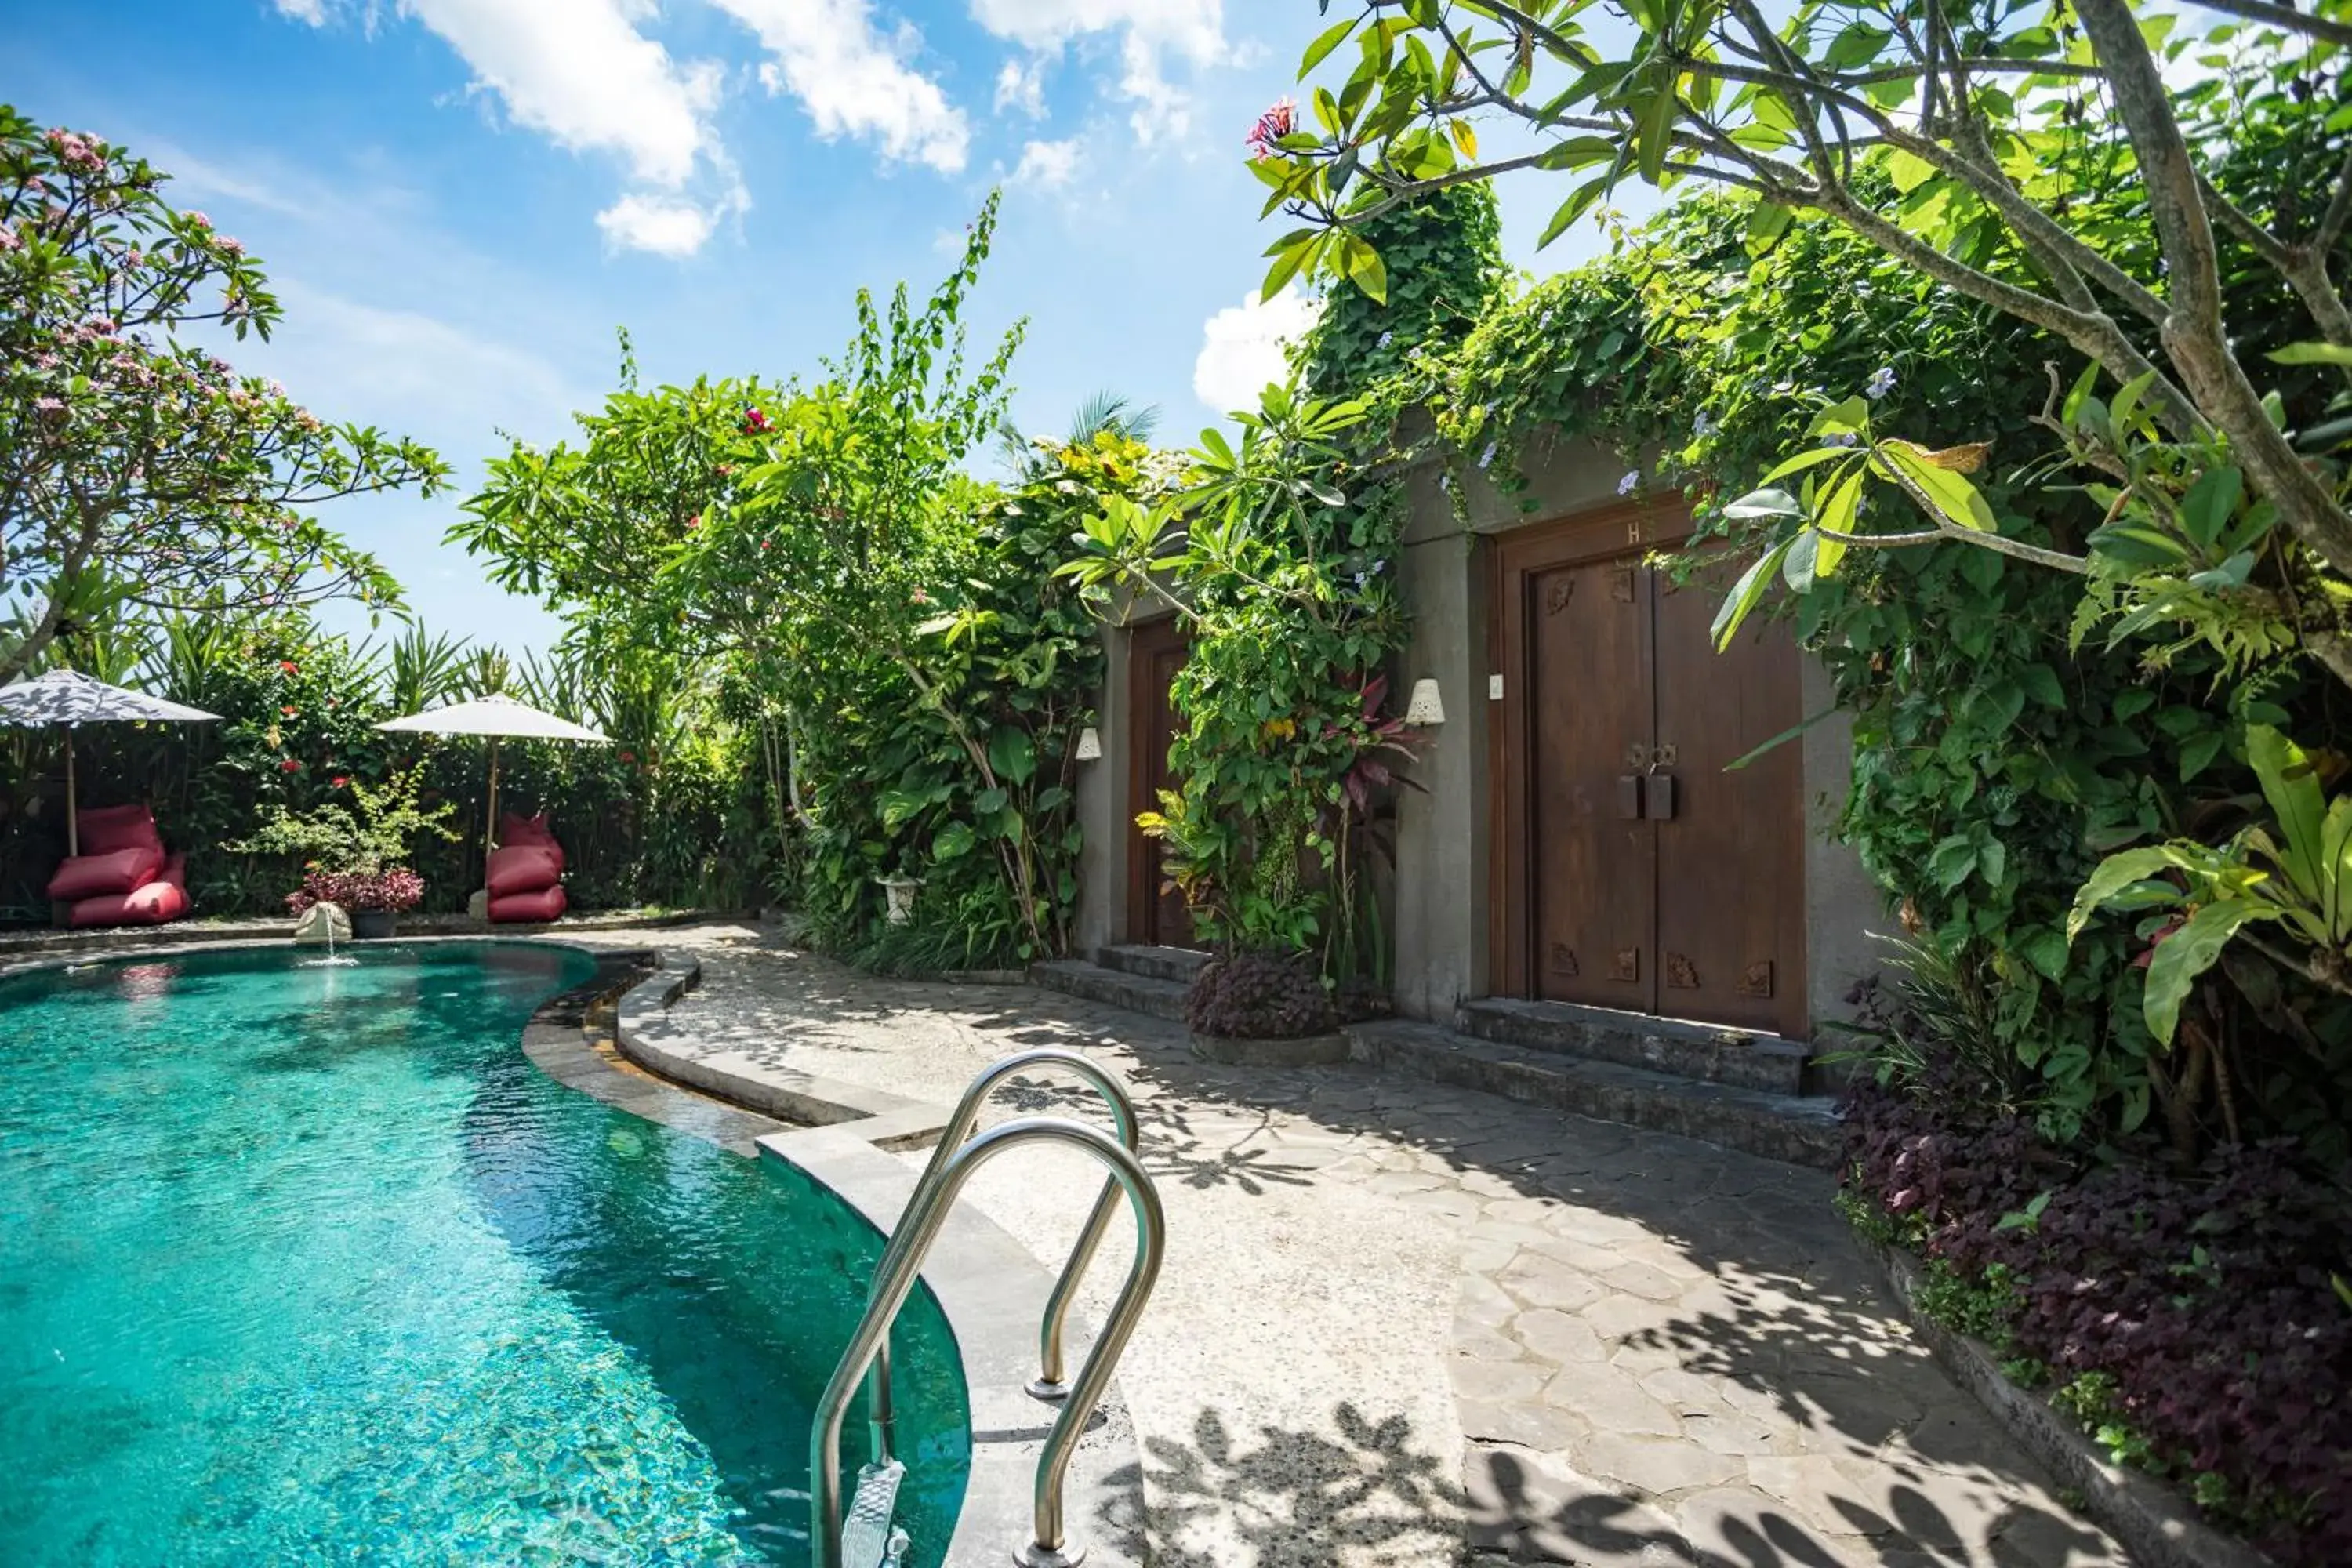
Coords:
pixel 1731 887
pixel 1594 865
pixel 1156 651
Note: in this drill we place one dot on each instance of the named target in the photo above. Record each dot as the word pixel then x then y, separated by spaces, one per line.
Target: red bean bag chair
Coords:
pixel 524 869
pixel 108 828
pixel 530 909
pixel 528 832
pixel 153 903
pixel 106 875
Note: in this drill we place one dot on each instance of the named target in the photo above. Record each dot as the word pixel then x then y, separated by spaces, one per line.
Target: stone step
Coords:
pixel 1704 1053
pixel 1177 963
pixel 1136 993
pixel 1798 1129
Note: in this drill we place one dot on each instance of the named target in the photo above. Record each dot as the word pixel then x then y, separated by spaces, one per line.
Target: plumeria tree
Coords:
pixel 1963 137
pixel 137 470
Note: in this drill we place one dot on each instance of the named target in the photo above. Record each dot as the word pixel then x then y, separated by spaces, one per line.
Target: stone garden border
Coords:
pixel 2158 1527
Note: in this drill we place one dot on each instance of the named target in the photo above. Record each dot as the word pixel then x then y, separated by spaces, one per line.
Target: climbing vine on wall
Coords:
pixel 1994 763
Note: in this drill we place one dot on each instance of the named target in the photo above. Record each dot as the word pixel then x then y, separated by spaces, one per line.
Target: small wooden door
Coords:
pixel 1589 685
pixel 1156 911
pixel 1636 870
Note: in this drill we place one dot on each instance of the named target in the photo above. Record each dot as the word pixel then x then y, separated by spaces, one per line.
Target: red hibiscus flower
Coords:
pixel 290 766
pixel 339 781
pixel 289 667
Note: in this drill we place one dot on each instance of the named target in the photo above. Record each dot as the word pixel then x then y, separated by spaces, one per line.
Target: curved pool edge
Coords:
pixel 989 1288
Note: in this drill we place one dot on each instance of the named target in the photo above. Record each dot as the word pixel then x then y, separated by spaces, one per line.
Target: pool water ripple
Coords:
pixel 312 1265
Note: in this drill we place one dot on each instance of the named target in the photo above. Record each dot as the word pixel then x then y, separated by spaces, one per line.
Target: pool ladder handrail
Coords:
pixel 954 1159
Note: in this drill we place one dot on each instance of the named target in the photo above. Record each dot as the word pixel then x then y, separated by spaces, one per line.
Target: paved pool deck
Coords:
pixel 1402 1325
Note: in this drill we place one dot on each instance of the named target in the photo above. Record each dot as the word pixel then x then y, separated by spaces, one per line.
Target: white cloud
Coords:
pixel 1241 347
pixel 1021 85
pixel 1047 164
pixel 660 223
pixel 1151 29
pixel 580 72
pixel 853 79
pixel 409 371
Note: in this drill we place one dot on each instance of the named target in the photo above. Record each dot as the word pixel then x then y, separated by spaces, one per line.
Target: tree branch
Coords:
pixel 2285 17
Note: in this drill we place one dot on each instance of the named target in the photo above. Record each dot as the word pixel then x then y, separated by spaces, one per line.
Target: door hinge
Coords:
pixel 1494 689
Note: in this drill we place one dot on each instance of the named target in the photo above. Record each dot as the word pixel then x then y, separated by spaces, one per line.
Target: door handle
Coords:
pixel 1658 797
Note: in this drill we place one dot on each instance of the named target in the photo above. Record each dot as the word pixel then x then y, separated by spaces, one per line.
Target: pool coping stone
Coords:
pixel 988 1285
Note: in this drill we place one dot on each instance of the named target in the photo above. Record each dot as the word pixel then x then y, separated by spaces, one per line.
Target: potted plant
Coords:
pixel 1262 1009
pixel 374 900
pixel 356 856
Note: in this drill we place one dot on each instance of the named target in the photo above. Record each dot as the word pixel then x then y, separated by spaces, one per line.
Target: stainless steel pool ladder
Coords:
pixel 956 1157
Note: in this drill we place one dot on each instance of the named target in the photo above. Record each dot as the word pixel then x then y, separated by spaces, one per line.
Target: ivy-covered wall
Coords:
pixel 1994 761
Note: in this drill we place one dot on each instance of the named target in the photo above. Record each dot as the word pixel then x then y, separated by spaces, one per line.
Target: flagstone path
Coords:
pixel 1402 1325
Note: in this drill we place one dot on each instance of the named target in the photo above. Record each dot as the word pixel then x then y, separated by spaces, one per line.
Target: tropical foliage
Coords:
pixel 668 816
pixel 918 674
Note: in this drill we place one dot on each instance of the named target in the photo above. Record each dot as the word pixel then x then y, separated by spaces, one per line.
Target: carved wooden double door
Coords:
pixel 1651 876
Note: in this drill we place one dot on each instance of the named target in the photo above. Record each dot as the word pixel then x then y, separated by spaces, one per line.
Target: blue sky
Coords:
pixel 459 200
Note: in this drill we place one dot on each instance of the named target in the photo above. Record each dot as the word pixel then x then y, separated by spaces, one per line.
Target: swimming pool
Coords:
pixel 303 1264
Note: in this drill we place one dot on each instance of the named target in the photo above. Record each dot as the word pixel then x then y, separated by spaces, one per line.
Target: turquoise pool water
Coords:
pixel 307 1264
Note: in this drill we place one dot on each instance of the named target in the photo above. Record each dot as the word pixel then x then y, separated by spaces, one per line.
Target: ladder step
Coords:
pixel 867 1538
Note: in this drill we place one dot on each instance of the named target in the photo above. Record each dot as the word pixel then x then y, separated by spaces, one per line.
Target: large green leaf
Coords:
pixel 1948 492
pixel 2292 786
pixel 1746 594
pixel 2180 958
pixel 2117 872
pixel 1012 754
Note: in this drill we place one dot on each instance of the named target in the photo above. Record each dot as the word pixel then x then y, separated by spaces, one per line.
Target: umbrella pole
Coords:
pixel 73 808
pixel 489 831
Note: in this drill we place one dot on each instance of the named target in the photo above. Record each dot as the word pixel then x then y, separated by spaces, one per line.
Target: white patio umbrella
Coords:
pixel 500 718
pixel 72 698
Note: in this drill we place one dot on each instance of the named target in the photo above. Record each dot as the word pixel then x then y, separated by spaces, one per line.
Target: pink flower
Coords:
pixel 754 421
pixel 290 766
pixel 8 240
pixel 199 219
pixel 694 522
pixel 339 781
pixel 919 597
pixel 1272 126
pixel 230 246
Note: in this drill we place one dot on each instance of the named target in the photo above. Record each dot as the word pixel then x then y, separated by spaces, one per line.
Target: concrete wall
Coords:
pixel 1102 810
pixel 1438 915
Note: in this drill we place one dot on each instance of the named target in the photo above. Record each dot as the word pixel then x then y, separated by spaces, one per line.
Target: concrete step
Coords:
pixel 1136 993
pixel 1704 1053
pixel 1798 1129
pixel 1177 963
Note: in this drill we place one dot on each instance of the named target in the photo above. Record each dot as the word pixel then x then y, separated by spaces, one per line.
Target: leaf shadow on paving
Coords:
pixel 1690 1360
pixel 1289 1497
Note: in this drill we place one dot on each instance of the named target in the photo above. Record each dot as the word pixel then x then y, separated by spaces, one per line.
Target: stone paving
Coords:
pixel 1403 1325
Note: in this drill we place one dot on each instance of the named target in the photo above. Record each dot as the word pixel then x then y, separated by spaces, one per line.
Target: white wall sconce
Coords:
pixel 1424 707
pixel 1089 745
